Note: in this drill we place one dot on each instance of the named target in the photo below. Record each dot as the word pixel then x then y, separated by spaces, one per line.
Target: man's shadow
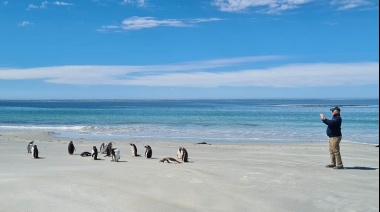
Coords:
pixel 361 168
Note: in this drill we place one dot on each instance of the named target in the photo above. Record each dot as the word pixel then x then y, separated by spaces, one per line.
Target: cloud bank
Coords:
pixel 206 74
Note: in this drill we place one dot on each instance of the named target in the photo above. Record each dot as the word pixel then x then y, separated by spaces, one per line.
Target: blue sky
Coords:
pixel 189 49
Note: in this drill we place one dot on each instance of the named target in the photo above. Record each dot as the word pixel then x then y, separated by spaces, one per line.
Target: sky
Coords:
pixel 189 49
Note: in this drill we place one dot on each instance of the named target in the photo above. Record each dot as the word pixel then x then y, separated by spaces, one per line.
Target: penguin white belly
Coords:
pixel 29 148
pixel 117 154
pixel 179 154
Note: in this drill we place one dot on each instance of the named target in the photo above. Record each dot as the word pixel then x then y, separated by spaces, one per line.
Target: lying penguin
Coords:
pixel 169 160
pixel 85 154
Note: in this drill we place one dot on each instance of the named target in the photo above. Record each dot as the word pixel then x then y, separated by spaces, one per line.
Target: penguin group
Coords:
pixel 32 148
pixel 114 153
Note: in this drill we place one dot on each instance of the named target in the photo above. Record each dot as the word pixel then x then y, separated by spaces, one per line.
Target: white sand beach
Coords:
pixel 219 177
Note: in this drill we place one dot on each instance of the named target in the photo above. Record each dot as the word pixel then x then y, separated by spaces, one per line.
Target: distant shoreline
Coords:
pixel 190 99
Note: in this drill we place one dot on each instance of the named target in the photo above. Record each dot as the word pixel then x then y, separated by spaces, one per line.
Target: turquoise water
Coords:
pixel 256 120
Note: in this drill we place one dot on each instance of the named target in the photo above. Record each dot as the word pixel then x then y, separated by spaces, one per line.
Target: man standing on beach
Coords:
pixel 334 133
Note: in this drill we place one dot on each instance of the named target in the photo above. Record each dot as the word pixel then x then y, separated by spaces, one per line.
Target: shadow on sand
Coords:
pixel 361 168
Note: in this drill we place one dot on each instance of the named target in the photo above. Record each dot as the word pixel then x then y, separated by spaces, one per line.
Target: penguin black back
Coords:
pixel 35 151
pixel 71 148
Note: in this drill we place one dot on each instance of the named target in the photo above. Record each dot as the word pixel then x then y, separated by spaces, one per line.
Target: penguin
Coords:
pixel 71 148
pixel 29 147
pixel 85 154
pixel 115 155
pixel 108 149
pixel 185 155
pixel 179 153
pixel 35 152
pixel 94 153
pixel 102 148
pixel 133 150
pixel 169 160
pixel 148 152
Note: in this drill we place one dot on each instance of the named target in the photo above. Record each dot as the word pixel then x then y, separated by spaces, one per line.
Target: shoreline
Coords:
pixel 219 177
pixel 59 137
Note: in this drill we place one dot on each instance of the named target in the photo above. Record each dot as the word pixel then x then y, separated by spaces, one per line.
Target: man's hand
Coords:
pixel 322 116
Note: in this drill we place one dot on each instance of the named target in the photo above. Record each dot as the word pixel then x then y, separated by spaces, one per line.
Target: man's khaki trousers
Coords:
pixel 335 158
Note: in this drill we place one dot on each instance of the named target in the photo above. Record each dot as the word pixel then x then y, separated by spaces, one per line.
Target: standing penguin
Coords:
pixel 29 147
pixel 102 148
pixel 71 148
pixel 115 155
pixel 35 152
pixel 108 149
pixel 148 151
pixel 185 155
pixel 133 150
pixel 94 153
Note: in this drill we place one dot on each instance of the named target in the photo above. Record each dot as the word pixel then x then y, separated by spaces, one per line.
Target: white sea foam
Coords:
pixel 40 128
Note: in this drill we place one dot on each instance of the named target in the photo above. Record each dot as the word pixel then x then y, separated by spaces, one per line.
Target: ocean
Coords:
pixel 212 121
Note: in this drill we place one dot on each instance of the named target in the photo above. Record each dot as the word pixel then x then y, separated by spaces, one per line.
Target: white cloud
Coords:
pixel 32 6
pixel 25 23
pixel 349 4
pixel 206 74
pixel 271 6
pixel 60 3
pixel 138 23
pixel 139 3
pixel 135 23
pixel 278 6
pixel 43 5
pixel 201 20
